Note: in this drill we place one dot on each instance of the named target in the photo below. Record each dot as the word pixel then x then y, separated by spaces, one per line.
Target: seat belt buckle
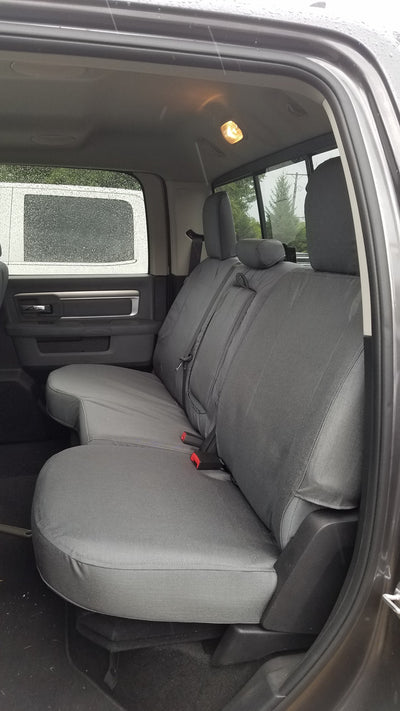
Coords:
pixel 206 460
pixel 192 439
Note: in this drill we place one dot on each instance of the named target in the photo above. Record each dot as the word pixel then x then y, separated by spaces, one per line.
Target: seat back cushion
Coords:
pixel 198 293
pixel 218 340
pixel 290 416
pixel 289 424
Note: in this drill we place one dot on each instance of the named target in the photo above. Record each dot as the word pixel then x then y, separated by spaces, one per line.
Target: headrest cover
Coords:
pixel 260 253
pixel 329 221
pixel 218 227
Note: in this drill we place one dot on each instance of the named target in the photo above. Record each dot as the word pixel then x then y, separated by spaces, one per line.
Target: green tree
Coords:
pixel 300 241
pixel 281 220
pixel 242 196
pixel 66 176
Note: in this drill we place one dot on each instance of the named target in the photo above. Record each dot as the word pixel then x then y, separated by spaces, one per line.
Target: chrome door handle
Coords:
pixel 36 308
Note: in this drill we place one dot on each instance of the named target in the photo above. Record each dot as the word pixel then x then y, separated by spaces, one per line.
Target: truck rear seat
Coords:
pixel 131 407
pixel 151 416
pixel 67 386
pixel 139 533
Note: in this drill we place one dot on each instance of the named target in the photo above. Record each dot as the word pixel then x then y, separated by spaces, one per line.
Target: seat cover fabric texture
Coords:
pixel 138 532
pixel 106 403
pixel 66 386
pixel 117 533
pixel 119 405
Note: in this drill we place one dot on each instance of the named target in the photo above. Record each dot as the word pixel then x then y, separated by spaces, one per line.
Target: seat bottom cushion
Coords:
pixel 140 533
pixel 108 403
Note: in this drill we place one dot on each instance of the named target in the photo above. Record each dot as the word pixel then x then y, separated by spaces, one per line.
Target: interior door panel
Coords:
pixel 57 320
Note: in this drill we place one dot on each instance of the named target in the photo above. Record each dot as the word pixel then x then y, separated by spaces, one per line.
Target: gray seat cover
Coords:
pixel 130 407
pixel 120 405
pixel 138 532
pixel 289 423
pixel 67 386
pixel 218 340
pixel 117 533
pixel 291 433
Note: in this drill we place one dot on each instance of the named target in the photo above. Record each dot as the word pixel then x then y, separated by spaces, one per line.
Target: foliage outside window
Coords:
pixel 67 176
pixel 283 192
pixel 243 200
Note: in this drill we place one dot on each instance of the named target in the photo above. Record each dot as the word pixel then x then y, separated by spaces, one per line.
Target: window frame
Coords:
pixel 13 249
pixel 285 157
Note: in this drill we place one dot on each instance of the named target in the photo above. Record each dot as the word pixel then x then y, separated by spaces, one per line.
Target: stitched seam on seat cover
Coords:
pixel 82 407
pixel 58 391
pixel 153 570
pixel 325 417
pixel 297 504
pixel 62 422
pixel 64 394
pixel 295 491
pixel 178 447
pixel 329 408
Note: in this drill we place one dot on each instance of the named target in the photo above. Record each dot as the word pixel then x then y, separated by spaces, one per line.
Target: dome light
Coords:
pixel 231 132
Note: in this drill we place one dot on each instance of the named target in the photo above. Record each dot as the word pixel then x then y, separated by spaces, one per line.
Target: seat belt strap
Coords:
pixel 195 249
pixel 185 360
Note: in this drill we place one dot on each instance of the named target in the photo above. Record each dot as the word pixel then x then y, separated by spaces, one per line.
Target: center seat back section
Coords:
pixel 138 532
pixel 227 326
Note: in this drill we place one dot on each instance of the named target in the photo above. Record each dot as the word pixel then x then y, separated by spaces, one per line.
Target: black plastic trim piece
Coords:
pixel 260 205
pixel 116 634
pixel 246 643
pixel 299 151
pixel 311 570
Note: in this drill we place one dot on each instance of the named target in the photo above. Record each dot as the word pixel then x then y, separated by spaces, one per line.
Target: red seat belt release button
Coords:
pixel 195 459
pixel 206 460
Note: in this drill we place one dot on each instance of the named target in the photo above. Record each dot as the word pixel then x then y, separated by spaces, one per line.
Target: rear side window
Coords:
pixel 283 191
pixel 72 222
pixel 271 204
pixel 78 229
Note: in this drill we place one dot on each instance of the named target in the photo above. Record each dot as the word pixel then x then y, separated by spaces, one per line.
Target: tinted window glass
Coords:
pixel 77 229
pixel 283 192
pixel 72 221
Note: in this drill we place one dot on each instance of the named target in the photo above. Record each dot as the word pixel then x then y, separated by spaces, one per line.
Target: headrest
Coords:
pixel 218 227
pixel 329 221
pixel 260 253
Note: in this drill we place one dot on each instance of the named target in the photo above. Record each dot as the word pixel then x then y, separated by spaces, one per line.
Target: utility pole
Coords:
pixel 295 186
pixel 296 177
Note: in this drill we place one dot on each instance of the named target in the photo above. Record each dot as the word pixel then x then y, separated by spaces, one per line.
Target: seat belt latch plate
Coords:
pixel 206 460
pixel 192 439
